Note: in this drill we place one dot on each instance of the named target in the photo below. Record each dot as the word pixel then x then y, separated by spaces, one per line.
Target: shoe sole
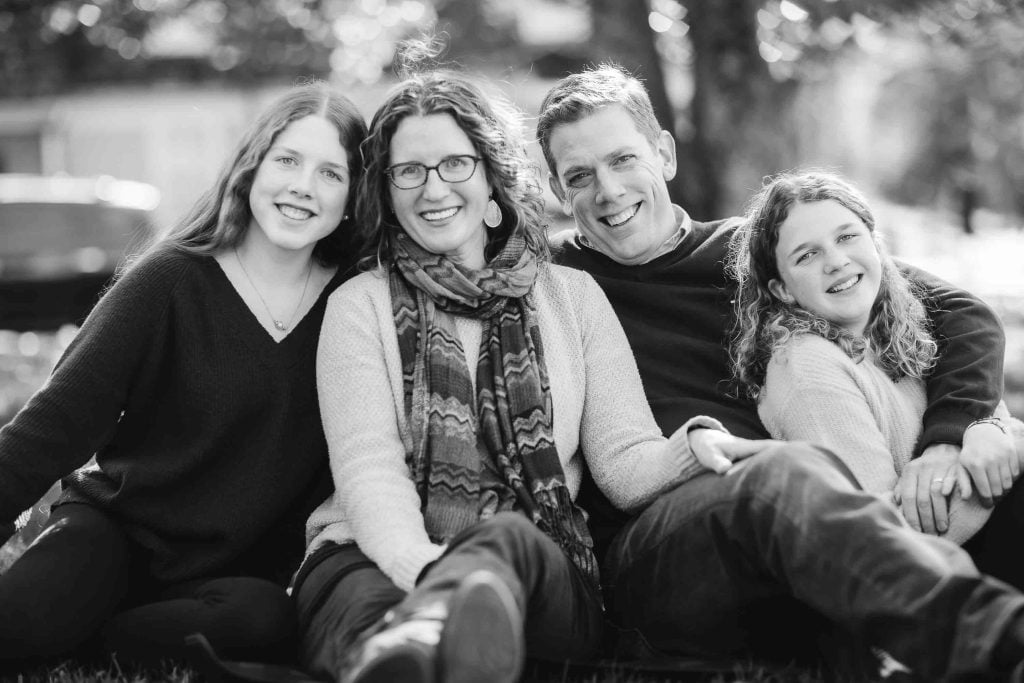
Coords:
pixel 401 665
pixel 482 641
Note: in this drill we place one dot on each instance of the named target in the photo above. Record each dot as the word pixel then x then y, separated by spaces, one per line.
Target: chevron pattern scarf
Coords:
pixel 472 456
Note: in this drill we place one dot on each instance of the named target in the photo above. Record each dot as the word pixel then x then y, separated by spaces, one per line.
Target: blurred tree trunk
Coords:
pixel 737 109
pixel 622 35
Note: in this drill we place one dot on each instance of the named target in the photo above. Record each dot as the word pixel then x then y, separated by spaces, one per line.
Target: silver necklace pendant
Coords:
pixel 280 325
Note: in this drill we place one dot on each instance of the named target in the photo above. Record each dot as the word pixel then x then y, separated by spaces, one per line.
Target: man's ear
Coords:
pixel 556 189
pixel 666 149
pixel 778 289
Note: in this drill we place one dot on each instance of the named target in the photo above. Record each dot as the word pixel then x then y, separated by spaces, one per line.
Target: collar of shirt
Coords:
pixel 665 247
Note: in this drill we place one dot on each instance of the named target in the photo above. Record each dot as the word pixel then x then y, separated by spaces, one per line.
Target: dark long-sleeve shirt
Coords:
pixel 207 435
pixel 676 311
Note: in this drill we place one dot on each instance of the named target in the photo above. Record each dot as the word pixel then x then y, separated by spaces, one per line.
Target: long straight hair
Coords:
pixel 221 216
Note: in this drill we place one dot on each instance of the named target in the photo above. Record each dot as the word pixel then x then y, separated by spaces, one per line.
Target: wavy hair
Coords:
pixel 220 217
pixel 898 330
pixel 494 127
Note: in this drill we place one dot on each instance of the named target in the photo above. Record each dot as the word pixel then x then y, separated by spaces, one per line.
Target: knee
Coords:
pixel 83 526
pixel 503 530
pixel 789 467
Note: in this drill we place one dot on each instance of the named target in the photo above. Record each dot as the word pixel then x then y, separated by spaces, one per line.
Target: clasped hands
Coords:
pixel 986 464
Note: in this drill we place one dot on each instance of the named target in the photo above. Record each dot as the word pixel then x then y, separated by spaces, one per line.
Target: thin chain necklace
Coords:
pixel 279 324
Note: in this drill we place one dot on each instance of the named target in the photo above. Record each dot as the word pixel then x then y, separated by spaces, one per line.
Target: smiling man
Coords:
pixel 707 569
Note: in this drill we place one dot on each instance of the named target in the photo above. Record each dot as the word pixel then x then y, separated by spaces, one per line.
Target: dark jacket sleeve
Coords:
pixel 967 380
pixel 76 411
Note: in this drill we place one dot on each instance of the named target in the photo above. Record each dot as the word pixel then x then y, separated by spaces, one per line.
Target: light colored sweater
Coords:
pixel 598 399
pixel 815 392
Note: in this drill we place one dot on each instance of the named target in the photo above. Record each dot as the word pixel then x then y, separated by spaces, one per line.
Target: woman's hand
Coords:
pixel 924 487
pixel 990 457
pixel 718 450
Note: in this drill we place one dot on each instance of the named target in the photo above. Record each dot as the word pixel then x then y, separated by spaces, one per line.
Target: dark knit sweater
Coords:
pixel 677 315
pixel 207 434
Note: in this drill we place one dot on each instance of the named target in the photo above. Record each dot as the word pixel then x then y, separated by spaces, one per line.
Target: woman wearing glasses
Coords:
pixel 462 382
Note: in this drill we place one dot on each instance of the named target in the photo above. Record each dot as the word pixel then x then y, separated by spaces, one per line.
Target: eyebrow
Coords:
pixel 803 245
pixel 618 151
pixel 289 150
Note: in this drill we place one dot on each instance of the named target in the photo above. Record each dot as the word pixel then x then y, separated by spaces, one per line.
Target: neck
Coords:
pixel 272 265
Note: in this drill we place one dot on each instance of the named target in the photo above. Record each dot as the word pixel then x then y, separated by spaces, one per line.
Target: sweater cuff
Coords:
pixel 691 467
pixel 411 561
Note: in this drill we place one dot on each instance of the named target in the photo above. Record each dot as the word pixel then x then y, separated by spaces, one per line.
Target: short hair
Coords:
pixel 898 329
pixel 494 127
pixel 581 94
pixel 221 216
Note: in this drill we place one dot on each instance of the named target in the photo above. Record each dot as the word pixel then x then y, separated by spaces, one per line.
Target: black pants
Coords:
pixel 996 548
pixel 340 592
pixel 84 583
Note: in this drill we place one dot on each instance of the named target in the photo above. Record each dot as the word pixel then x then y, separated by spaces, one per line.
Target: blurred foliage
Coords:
pixel 724 74
pixel 51 46
pixel 746 61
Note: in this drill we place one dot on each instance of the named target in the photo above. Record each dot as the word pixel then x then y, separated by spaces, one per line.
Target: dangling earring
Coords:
pixel 492 214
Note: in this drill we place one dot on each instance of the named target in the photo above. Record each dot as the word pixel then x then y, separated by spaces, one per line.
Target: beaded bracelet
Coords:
pixel 989 421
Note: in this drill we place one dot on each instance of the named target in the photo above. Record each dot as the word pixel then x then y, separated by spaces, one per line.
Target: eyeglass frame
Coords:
pixel 436 168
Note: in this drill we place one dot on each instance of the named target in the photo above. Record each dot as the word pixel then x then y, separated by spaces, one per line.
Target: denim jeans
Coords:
pixel 345 593
pixel 708 568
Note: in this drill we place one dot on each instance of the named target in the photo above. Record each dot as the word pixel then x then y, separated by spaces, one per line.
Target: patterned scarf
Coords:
pixel 473 456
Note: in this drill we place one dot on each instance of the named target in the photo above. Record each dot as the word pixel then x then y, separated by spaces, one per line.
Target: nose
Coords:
pixel 835 259
pixel 301 183
pixel 608 186
pixel 435 187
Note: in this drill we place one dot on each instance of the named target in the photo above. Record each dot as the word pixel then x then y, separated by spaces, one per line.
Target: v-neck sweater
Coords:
pixel 206 431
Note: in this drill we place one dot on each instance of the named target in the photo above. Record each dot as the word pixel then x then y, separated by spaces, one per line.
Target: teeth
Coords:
pixel 294 212
pixel 622 216
pixel 843 286
pixel 439 215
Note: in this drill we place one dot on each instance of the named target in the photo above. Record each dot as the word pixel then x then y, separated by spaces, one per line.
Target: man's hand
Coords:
pixel 718 450
pixel 925 485
pixel 990 457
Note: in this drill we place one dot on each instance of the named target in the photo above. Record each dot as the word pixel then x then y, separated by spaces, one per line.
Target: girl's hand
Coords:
pixel 718 450
pixel 923 490
pixel 990 457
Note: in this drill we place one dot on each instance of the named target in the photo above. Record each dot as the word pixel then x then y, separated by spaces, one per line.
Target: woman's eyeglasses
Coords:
pixel 457 168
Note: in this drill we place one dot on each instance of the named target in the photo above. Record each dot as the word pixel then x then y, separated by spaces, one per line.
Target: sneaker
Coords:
pixel 403 651
pixel 482 640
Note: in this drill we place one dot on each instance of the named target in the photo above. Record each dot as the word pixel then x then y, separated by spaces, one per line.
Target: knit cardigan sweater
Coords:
pixel 599 409
pixel 676 312
pixel 814 392
pixel 208 444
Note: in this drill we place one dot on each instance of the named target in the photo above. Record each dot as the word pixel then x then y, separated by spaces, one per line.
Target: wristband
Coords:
pixel 989 421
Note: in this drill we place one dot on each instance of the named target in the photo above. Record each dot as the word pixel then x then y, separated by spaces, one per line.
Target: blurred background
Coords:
pixel 116 114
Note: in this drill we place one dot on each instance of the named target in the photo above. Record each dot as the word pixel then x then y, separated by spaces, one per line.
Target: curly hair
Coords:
pixel 898 329
pixel 221 216
pixel 494 127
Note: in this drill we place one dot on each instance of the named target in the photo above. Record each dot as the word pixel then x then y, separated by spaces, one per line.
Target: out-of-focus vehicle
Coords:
pixel 61 241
